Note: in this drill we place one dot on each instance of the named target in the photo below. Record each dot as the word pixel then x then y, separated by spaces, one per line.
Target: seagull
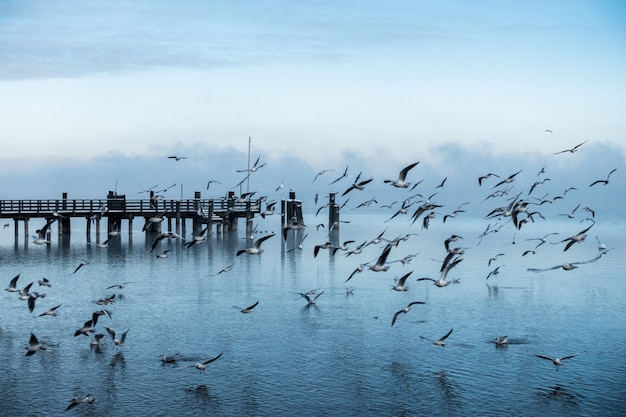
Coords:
pixel 502 341
pixel 322 172
pixel 119 286
pixel 197 239
pixel 380 266
pixel 202 365
pixel 116 341
pixel 164 235
pixel 247 309
pixel 177 158
pixel 494 258
pixel 299 246
pixel 344 175
pixel 557 362
pixel 225 269
pixel 254 168
pixel 211 182
pixel 441 282
pixel 604 182
pixel 439 342
pixel 88 399
pixel 442 183
pixel 12 285
pixel 95 342
pixel 548 131
pixel 327 245
pixel 51 312
pixel 83 263
pixel 157 218
pixel 104 244
pixel 169 358
pixel 577 238
pixel 41 234
pixel 86 329
pixel 310 300
pixel 572 150
pixel 357 185
pixel 399 285
pixel 507 180
pixel 570 214
pixel 96 314
pixel 163 254
pixel 601 246
pixel 484 177
pixel 495 272
pixel 400 182
pixel 568 266
pixel 104 301
pixel 405 310
pixel 256 246
pixel 452 238
pixel 33 345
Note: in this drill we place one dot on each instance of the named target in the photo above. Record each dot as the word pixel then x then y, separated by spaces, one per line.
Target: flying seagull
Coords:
pixel 201 366
pixel 401 181
pixel 568 266
pixel 247 309
pixel 256 246
pixel 41 234
pixel 572 150
pixel 439 342
pixel 405 310
pixel 33 345
pixel 557 362
pixel 88 399
pixel 603 182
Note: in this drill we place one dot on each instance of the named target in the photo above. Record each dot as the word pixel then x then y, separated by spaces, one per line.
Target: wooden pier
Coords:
pixel 222 212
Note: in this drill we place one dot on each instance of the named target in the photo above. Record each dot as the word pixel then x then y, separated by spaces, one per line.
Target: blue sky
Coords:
pixel 388 83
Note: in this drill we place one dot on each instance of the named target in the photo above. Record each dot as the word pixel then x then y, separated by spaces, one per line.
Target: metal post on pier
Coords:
pixel 333 212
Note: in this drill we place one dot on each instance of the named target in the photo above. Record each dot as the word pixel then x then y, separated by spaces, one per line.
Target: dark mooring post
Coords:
pixel 63 228
pixel 333 212
pixel 232 220
pixel 197 221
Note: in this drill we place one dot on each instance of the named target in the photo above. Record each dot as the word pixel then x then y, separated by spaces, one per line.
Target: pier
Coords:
pixel 222 212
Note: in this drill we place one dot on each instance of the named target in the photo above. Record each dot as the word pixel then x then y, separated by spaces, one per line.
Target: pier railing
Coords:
pixel 134 207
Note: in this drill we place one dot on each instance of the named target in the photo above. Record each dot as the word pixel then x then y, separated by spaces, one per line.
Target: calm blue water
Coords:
pixel 338 357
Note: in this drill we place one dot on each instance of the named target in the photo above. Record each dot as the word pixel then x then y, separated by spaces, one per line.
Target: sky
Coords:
pixel 101 92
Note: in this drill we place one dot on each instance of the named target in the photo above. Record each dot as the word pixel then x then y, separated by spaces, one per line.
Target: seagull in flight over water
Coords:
pixel 557 362
pixel 256 246
pixel 439 342
pixel 404 310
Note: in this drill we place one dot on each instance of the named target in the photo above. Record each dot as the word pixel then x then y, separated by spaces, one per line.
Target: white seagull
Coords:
pixel 439 342
pixel 201 366
pixel 88 399
pixel 41 234
pixel 405 310
pixel 399 285
pixel 380 266
pixel 256 246
pixel 117 341
pixel 557 362
pixel 401 181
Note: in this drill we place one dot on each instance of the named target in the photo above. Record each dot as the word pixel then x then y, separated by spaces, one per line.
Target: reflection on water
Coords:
pixel 337 356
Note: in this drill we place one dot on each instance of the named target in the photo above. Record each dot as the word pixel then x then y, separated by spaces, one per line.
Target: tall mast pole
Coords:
pixel 248 179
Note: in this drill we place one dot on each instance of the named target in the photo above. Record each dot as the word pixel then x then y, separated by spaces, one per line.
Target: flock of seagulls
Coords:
pixel 517 210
